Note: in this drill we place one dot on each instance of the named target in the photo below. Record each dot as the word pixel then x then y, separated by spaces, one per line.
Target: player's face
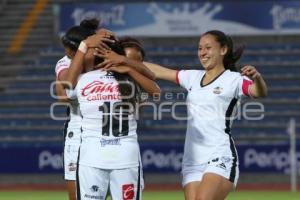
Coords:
pixel 210 52
pixel 133 53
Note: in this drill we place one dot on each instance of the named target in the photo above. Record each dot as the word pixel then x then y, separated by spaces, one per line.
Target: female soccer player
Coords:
pixel 109 152
pixel 72 130
pixel 210 163
pixel 133 48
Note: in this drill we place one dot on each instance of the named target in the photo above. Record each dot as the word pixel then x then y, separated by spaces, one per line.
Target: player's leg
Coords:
pixel 71 188
pixel 126 184
pixel 213 187
pixel 190 190
pixel 191 179
pixel 219 179
pixel 70 167
pixel 92 183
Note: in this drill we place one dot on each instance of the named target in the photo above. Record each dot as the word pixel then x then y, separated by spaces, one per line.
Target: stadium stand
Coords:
pixel 28 96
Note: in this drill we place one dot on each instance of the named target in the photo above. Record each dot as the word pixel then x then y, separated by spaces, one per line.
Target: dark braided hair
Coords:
pixel 231 56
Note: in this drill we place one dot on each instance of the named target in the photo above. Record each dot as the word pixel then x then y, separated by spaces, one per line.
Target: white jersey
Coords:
pixel 74 124
pixel 109 139
pixel 209 110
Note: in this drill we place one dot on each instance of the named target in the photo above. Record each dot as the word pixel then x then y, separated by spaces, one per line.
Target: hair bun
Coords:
pixel 91 24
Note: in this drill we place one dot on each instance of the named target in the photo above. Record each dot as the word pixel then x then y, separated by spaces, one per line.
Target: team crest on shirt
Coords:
pixel 109 74
pixel 217 90
pixel 72 167
pixel 94 188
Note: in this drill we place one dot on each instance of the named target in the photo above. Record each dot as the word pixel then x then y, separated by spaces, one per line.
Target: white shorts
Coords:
pixel 124 184
pixel 223 166
pixel 70 161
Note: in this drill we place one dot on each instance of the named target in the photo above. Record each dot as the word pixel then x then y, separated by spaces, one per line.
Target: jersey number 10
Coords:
pixel 115 115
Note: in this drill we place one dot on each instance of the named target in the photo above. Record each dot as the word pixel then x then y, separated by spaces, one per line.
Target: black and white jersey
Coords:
pixel 74 123
pixel 109 139
pixel 210 113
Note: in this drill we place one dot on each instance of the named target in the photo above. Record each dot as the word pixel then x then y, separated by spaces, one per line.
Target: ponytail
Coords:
pixel 231 56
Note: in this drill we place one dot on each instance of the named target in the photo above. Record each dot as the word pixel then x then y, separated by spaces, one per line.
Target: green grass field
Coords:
pixel 169 195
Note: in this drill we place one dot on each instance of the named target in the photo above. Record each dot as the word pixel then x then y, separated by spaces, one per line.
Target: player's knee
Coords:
pixel 203 196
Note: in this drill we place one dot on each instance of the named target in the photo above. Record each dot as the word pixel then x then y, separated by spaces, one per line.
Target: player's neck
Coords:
pixel 214 72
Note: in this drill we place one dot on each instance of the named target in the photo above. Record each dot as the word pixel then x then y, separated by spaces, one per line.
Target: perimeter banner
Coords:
pixel 187 19
pixel 156 158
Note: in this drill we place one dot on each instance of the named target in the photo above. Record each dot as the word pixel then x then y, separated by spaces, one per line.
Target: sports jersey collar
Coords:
pixel 99 71
pixel 201 82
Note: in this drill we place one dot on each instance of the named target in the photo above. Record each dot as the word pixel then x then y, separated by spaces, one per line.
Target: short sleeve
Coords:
pixel 61 65
pixel 243 86
pixel 185 78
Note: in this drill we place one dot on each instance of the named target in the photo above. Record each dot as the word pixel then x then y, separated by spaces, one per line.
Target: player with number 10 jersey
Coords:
pixel 108 119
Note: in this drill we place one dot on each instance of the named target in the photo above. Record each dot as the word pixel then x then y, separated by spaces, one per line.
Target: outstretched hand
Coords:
pixel 250 71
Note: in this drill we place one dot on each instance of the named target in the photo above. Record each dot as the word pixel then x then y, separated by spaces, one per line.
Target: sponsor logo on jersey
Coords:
pixel 109 74
pixel 225 159
pixel 70 134
pixel 128 192
pixel 222 166
pixel 217 90
pixel 105 142
pixel 94 196
pixel 94 188
pixel 97 87
pixel 72 167
pixel 98 90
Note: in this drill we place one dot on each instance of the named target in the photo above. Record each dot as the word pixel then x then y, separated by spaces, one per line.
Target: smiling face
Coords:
pixel 210 52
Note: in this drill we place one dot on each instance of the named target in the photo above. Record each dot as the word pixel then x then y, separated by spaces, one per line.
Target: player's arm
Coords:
pixel 97 40
pixel 113 59
pixel 76 67
pixel 60 92
pixel 259 87
pixel 163 72
pixel 146 83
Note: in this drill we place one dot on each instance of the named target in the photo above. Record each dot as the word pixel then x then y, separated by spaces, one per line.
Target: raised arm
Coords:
pixel 259 87
pixel 162 72
pixel 147 69
pixel 75 68
pixel 146 84
pixel 77 63
pixel 60 92
pixel 113 59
